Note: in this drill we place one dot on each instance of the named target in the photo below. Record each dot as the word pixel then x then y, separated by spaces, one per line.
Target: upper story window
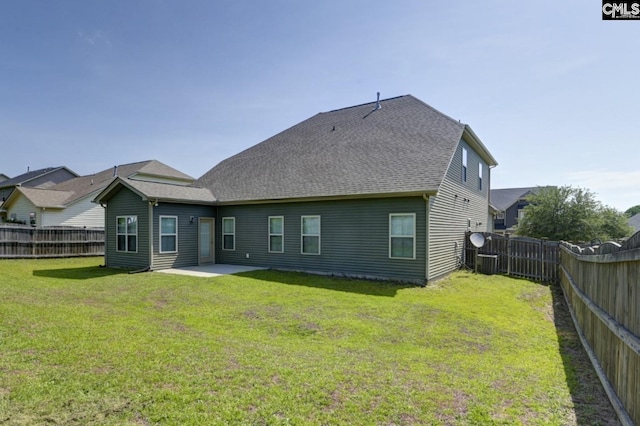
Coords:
pixel 276 234
pixel 310 234
pixel 228 233
pixel 521 214
pixel 168 234
pixel 464 164
pixel 480 167
pixel 402 236
pixel 127 233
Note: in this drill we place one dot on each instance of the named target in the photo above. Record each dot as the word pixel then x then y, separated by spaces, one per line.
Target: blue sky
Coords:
pixel 550 88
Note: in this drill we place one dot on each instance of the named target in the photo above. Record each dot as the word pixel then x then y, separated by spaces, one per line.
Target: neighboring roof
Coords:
pixel 634 221
pixel 157 169
pixel 4 177
pixel 48 198
pixel 31 175
pixel 85 185
pixel 502 199
pixel 403 147
pixel 154 191
pixel 65 193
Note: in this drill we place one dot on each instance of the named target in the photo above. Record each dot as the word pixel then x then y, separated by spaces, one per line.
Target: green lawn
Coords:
pixel 86 345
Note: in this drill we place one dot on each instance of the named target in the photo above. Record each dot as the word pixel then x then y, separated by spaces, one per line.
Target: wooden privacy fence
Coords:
pixel 516 256
pixel 29 242
pixel 602 288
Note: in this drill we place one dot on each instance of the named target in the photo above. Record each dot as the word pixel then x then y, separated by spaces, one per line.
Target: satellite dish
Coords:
pixel 477 239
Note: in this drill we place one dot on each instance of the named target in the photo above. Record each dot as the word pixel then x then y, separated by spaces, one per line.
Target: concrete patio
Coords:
pixel 213 270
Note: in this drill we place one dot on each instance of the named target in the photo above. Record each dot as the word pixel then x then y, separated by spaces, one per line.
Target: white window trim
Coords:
pixel 480 167
pixel 464 164
pixel 167 235
pixel 391 215
pixel 302 234
pixel 126 234
pixel 275 235
pixel 229 233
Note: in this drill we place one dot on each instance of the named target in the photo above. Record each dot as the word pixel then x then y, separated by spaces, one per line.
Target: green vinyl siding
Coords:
pixel 458 207
pixel 474 161
pixel 354 237
pixel 126 203
pixel 187 254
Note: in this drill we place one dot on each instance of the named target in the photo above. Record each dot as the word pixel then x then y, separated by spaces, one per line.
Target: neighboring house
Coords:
pixel 381 190
pixel 69 203
pixel 3 177
pixel 508 207
pixel 42 178
pixel 634 222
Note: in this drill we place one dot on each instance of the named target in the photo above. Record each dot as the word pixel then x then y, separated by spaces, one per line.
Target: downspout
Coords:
pixel 151 204
pixel 426 236
pixel 104 206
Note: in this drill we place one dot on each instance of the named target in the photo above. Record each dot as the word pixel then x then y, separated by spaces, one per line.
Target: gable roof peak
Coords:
pixel 375 103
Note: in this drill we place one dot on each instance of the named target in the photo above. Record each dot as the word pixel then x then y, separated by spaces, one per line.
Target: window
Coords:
pixel 228 233
pixel 521 214
pixel 402 236
pixel 310 235
pixel 480 176
pixel 464 164
pixel 276 234
pixel 168 234
pixel 127 233
pixel 500 216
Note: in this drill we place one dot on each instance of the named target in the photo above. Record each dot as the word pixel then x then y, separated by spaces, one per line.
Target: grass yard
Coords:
pixel 86 345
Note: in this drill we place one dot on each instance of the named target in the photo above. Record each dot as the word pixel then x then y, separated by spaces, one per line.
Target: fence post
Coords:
pixel 33 242
pixel 541 261
pixel 508 256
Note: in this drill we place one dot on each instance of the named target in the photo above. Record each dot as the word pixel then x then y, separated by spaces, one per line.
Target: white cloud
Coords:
pixel 94 38
pixel 617 188
pixel 606 179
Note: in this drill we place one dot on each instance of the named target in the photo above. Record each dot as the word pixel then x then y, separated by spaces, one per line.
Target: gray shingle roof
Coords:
pixel 85 185
pixel 168 192
pixel 65 193
pixel 26 177
pixel 156 168
pixel 46 197
pixel 403 147
pixel 502 199
pixel 634 221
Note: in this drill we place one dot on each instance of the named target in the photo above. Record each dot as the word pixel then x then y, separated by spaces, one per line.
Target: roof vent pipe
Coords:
pixel 115 171
pixel 378 106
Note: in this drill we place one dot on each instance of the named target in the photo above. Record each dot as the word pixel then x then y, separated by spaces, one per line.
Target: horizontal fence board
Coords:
pixel 602 287
pixel 518 256
pixel 29 242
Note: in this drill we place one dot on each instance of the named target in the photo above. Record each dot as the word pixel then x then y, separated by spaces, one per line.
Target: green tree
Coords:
pixel 632 211
pixel 614 224
pixel 570 214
